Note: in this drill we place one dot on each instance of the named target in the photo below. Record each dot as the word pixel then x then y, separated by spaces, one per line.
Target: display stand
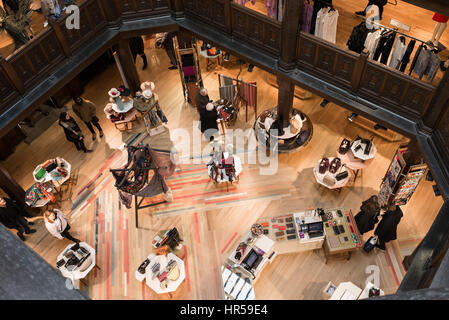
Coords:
pixel 153 281
pixel 189 70
pixel 355 158
pixel 212 61
pixel 392 177
pixel 409 183
pixel 328 179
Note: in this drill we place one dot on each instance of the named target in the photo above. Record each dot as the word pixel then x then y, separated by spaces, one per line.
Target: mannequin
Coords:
pixel 439 27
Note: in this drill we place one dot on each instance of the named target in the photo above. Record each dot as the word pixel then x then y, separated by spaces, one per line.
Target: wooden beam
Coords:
pixel 293 10
pixel 286 94
pixel 128 65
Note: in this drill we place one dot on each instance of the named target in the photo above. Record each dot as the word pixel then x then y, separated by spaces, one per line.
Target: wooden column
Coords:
pixel 112 10
pixel 358 71
pixel 177 7
pixel 12 188
pixel 439 105
pixel 285 99
pixel 12 75
pixel 293 10
pixel 60 37
pixel 228 16
pixel 127 63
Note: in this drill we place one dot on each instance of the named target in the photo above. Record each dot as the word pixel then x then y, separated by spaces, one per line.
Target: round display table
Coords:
pixel 291 140
pixel 328 179
pixel 172 285
pixel 222 177
pixel 77 272
pixel 54 176
pixel 357 160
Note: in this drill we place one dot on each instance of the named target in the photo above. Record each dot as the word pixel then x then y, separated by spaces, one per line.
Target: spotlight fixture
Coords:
pixel 352 117
pixel 226 57
pixel 436 191
pixel 250 68
pixel 324 103
pixel 378 126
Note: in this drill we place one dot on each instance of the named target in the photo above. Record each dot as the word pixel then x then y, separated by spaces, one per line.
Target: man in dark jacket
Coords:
pixel 167 44
pixel 11 215
pixel 367 218
pixel 138 48
pixel 208 118
pixel 386 229
pixel 72 131
pixel 86 111
pixel 202 99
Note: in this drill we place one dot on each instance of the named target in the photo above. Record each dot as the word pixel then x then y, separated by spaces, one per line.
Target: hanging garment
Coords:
pixel 227 92
pixel 329 31
pixel 421 62
pixel 372 41
pixel 319 23
pixel 432 66
pixel 398 53
pixel 160 113
pixel 317 6
pixel 406 58
pixel 356 41
pixel 271 8
pixel 248 93
pixel 280 10
pixel 384 47
pixel 307 17
pixel 243 2
pixel 415 58
pixel 225 80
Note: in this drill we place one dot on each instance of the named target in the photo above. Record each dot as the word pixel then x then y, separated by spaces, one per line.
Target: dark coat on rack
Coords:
pixel 367 218
pixel 74 135
pixel 387 227
pixel 208 120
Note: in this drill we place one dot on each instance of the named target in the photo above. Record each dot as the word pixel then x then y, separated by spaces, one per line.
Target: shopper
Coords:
pixel 367 218
pixel 72 131
pixel 387 227
pixel 57 224
pixel 86 111
pixel 12 216
pixel 379 3
pixel 208 121
pixel 167 44
pixel 202 99
pixel 138 48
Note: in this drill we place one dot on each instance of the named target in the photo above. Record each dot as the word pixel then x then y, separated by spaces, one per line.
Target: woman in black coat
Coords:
pixel 72 131
pixel 208 118
pixel 367 218
pixel 387 228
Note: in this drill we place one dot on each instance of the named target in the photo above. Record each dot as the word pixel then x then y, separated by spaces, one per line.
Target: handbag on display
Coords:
pixel 324 164
pixel 369 144
pixel 370 244
pixel 174 273
pixel 294 122
pixel 143 266
pixel 344 146
pixel 341 175
pixel 335 165
pixel 329 180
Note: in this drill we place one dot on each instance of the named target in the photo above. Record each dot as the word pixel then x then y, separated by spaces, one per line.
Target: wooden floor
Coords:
pixel 212 220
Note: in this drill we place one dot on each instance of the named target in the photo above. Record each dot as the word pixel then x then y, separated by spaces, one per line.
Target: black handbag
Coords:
pixel 344 146
pixel 342 175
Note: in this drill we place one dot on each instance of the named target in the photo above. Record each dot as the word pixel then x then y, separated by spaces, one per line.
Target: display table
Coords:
pixel 127 106
pixel 222 177
pixel 54 176
pixel 289 141
pixel 212 61
pixel 365 292
pixel 76 273
pixel 39 202
pixel 347 239
pixel 327 178
pixel 172 285
pixel 141 276
pixel 346 291
pixel 357 160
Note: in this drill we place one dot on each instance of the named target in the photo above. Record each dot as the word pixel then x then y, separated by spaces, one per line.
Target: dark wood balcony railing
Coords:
pixel 211 12
pixel 370 80
pixel 143 8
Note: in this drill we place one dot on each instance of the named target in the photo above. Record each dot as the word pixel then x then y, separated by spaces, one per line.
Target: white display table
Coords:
pixel 346 291
pixel 320 177
pixel 237 166
pixel 155 283
pixel 288 134
pixel 360 154
pixel 51 176
pixel 77 273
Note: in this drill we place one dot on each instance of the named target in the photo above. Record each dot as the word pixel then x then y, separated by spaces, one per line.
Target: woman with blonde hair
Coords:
pixel 57 224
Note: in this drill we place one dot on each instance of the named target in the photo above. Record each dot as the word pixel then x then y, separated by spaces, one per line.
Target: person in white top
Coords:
pixel 57 224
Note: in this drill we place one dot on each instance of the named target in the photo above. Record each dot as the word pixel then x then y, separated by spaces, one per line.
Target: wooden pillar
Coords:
pixel 60 37
pixel 127 63
pixel 177 7
pixel 228 16
pixel 439 105
pixel 286 93
pixel 12 76
pixel 293 11
pixel 358 71
pixel 112 10
pixel 12 188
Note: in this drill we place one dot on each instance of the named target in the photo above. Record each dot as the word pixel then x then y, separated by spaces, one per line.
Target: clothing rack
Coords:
pixel 401 33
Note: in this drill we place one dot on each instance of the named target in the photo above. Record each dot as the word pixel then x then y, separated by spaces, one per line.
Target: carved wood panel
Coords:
pixel 273 37
pixel 256 30
pixel 345 67
pixel 417 98
pixel 209 11
pixel 372 80
pixel 394 89
pixel 6 90
pixel 160 4
pixel 144 5
pixel 326 59
pixel 307 51
pixel 128 6
pixel 95 15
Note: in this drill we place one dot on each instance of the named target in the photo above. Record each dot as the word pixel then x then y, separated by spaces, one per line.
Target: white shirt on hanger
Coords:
pixel 399 49
pixel 326 24
pixel 371 42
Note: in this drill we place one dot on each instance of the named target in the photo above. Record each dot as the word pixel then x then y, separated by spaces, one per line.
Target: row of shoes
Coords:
pixel 332 166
